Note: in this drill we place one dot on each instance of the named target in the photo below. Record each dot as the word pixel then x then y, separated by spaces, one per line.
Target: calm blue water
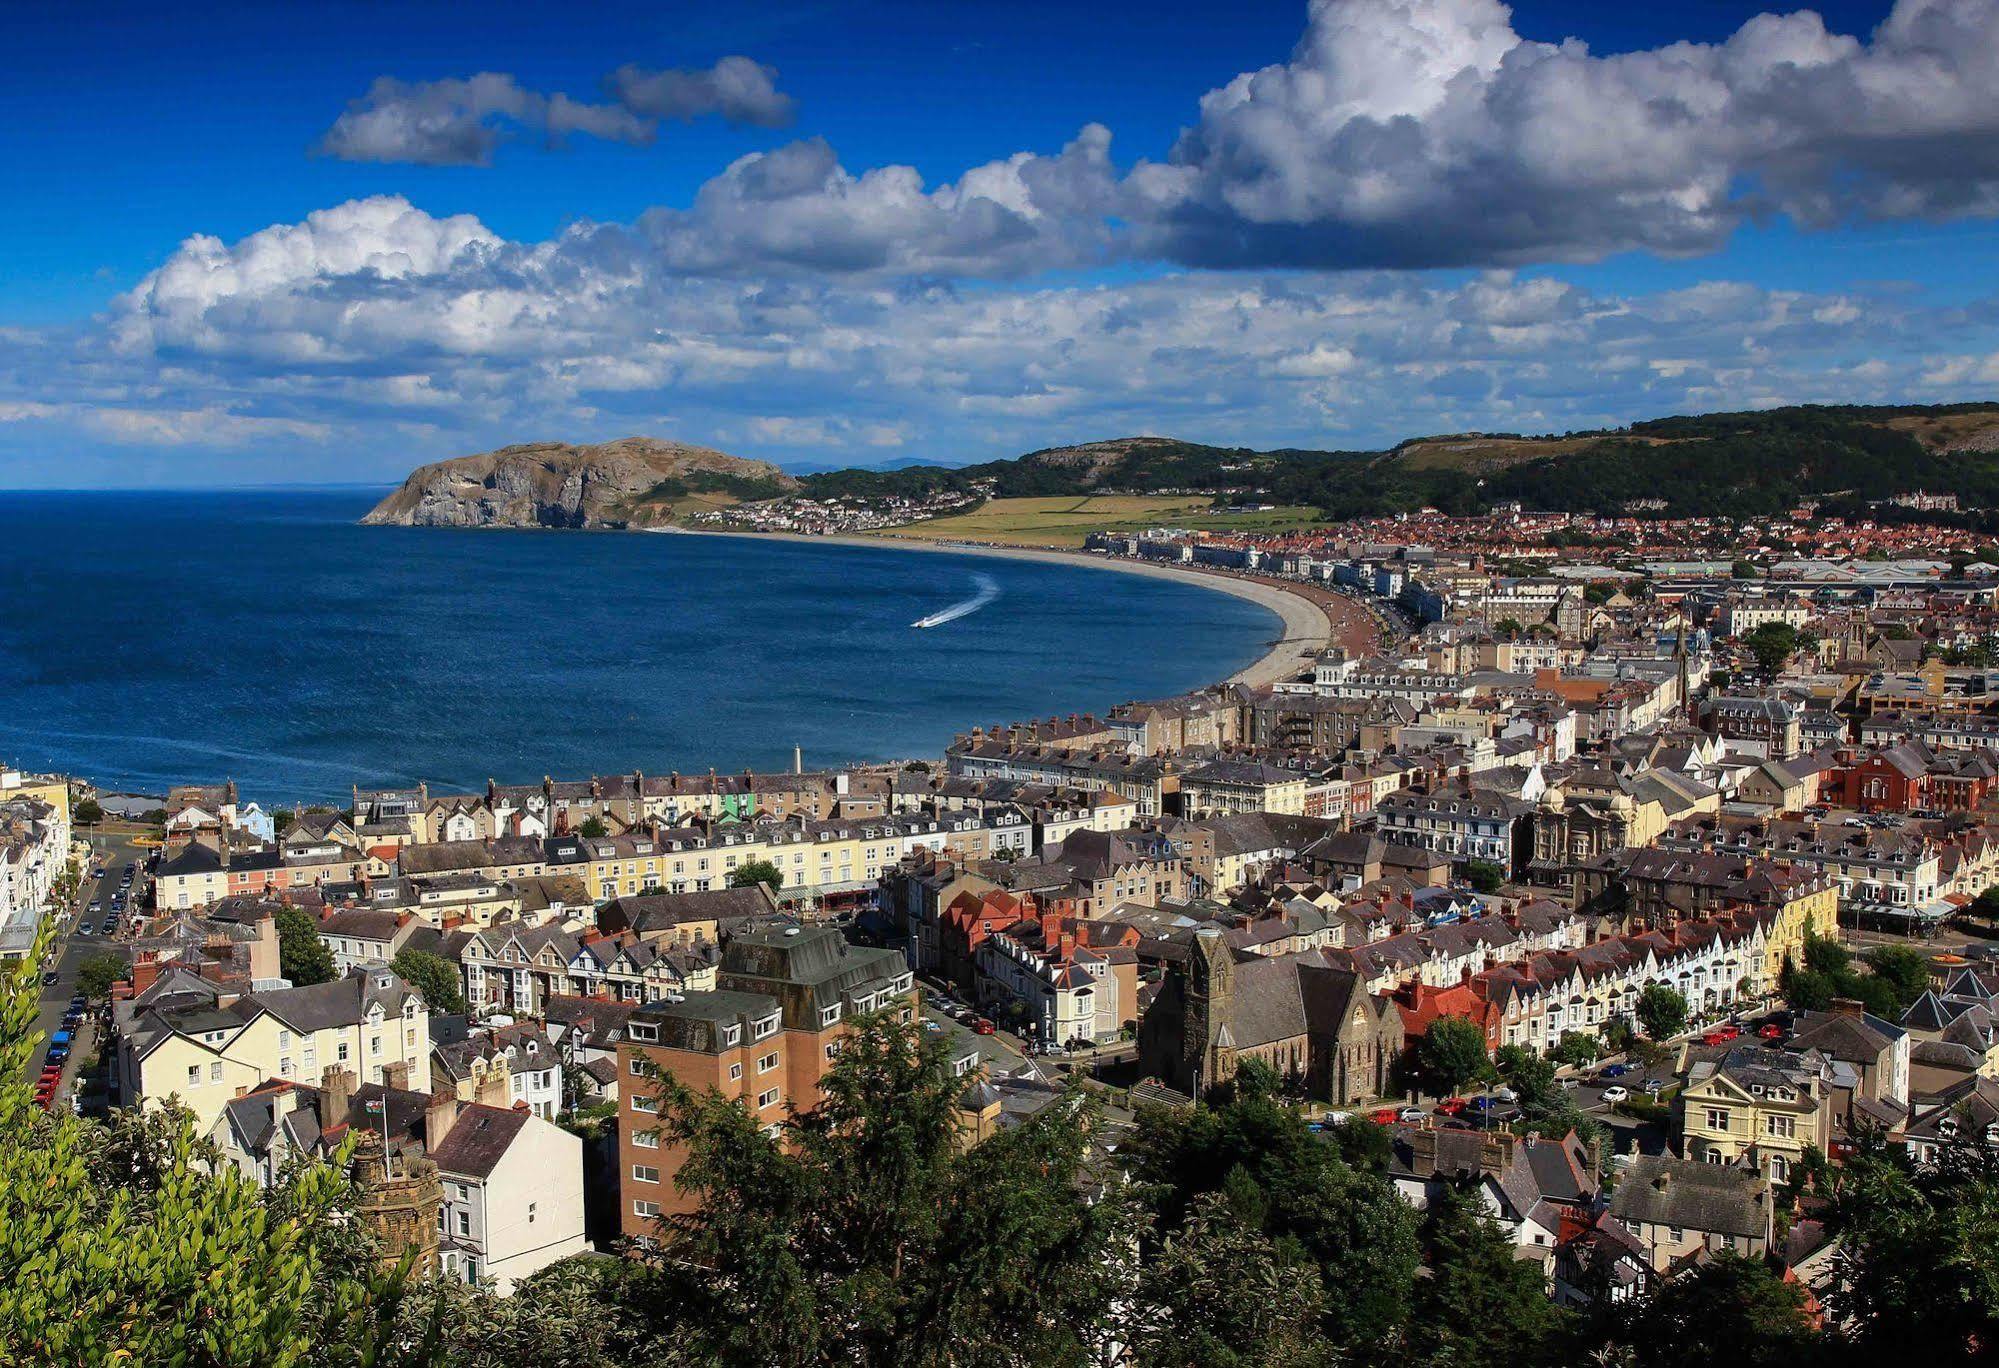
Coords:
pixel 156 637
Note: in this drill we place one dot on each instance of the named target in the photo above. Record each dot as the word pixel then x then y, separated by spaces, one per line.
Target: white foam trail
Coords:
pixel 988 591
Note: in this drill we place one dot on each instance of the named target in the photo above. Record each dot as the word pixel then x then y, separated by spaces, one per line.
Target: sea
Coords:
pixel 150 638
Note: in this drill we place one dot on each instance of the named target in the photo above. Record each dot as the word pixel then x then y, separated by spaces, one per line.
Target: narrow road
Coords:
pixel 73 947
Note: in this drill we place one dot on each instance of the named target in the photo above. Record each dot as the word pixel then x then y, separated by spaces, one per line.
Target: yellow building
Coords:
pixel 1223 786
pixel 206 1044
pixel 52 789
pixel 1758 1105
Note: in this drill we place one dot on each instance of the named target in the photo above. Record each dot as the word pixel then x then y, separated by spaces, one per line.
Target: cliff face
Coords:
pixel 633 482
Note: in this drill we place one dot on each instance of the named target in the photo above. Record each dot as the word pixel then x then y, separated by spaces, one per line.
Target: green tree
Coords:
pixel 571 1314
pixel 1220 1293
pixel 1904 969
pixel 89 812
pixel 1508 629
pixel 1918 1266
pixel 752 872
pixel 433 976
pixel 1484 876
pixel 1662 1011
pixel 1743 569
pixel 1481 1306
pixel 1772 643
pixel 1345 1218
pixel 283 820
pixel 1575 1048
pixel 1452 1055
pixel 843 1238
pixel 302 955
pixel 1729 1310
pixel 97 971
pixel 592 828
pixel 135 1251
pixel 1619 1035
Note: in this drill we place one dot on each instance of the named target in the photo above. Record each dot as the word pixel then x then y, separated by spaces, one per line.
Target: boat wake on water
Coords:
pixel 988 591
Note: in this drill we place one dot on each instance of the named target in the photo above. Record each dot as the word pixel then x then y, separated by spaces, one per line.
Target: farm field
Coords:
pixel 1066 521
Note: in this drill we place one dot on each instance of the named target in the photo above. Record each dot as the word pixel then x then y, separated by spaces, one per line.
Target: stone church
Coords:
pixel 1305 1017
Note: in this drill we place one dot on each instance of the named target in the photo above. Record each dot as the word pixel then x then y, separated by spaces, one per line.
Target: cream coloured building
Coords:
pixel 205 1044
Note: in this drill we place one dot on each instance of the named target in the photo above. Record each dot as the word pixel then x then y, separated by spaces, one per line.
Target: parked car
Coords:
pixel 1409 1114
pixel 1714 1038
pixel 1451 1106
pixel 1728 1030
pixel 983 1027
pixel 1383 1116
pixel 1770 1031
pixel 1615 1071
pixel 1616 1092
pixel 1505 1094
pixel 49 979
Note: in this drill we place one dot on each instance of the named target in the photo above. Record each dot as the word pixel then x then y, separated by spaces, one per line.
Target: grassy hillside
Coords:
pixel 1728 464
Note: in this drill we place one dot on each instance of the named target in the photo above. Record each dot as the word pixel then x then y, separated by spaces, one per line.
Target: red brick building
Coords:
pixel 765 1037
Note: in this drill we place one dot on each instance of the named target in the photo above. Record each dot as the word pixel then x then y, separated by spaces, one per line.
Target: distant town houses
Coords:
pixel 34 854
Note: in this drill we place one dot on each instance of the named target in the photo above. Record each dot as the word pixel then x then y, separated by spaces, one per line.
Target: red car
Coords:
pixel 1383 1116
pixel 1728 1031
pixel 983 1027
pixel 1714 1038
pixel 1451 1106
pixel 1772 1031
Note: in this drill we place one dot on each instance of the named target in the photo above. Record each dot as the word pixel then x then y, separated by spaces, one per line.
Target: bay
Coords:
pixel 148 638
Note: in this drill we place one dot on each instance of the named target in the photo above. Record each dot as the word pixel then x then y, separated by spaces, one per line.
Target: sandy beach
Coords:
pixel 1312 618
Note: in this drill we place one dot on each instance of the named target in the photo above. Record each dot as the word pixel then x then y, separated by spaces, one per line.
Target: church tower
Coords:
pixel 1209 1044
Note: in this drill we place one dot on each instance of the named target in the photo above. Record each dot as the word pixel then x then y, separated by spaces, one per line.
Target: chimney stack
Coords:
pixel 439 1118
pixel 336 1090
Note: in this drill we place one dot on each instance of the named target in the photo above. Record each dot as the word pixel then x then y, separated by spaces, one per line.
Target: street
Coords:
pixel 72 948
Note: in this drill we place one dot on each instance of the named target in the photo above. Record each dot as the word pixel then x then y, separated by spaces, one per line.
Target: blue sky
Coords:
pixel 824 232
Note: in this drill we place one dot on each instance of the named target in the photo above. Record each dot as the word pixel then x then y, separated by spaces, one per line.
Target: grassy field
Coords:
pixel 1068 521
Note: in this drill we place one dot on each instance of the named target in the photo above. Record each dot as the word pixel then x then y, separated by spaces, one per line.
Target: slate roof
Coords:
pixel 1719 1199
pixel 478 1140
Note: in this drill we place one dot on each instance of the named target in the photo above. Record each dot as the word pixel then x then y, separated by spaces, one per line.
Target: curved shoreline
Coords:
pixel 1306 613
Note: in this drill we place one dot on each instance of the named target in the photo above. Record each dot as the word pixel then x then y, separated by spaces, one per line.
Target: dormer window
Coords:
pixel 732 1035
pixel 643 1032
pixel 766 1027
pixel 829 1015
